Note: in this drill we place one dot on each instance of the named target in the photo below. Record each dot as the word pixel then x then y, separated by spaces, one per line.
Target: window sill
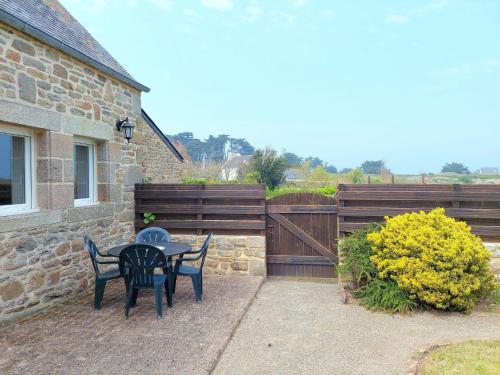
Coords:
pixel 28 219
pixel 19 212
pixel 85 204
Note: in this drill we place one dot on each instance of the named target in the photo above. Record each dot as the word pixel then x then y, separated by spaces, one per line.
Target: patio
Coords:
pixel 73 338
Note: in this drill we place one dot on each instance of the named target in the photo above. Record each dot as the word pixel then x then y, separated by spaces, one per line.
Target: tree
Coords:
pixel 320 174
pixel 331 168
pixel 372 167
pixel 241 146
pixel 356 175
pixel 268 168
pixel 315 161
pixel 455 167
pixel 292 159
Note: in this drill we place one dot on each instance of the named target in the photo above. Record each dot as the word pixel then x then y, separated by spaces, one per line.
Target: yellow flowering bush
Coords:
pixel 434 258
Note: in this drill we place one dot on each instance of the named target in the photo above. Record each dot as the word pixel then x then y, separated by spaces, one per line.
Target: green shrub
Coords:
pixel 355 252
pixel 385 295
pixel 283 190
pixel 195 181
pixel 434 258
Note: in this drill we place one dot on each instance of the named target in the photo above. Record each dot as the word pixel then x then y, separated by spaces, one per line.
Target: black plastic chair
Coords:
pixel 140 261
pixel 153 235
pixel 196 273
pixel 101 278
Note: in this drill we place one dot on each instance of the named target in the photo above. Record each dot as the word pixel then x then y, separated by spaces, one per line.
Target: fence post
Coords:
pixel 423 178
pixel 369 180
pixel 392 179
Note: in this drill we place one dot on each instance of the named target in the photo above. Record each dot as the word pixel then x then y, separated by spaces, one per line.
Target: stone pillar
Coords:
pixel 54 170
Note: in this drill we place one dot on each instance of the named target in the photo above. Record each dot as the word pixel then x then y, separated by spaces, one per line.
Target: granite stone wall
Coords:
pixel 494 248
pixel 231 254
pixel 58 98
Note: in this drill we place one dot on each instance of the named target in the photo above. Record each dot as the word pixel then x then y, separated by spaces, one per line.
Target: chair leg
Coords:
pixel 174 284
pixel 100 285
pixel 158 300
pixel 130 297
pixel 196 279
pixel 201 282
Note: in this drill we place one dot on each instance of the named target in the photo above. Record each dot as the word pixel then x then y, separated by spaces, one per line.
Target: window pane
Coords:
pixel 82 172
pixel 12 170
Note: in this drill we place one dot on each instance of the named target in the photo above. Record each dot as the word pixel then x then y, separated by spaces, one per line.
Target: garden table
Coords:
pixel 170 249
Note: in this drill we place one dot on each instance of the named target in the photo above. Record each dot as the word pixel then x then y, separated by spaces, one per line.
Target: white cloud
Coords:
pixel 190 13
pixel 165 5
pixel 220 5
pixel 396 19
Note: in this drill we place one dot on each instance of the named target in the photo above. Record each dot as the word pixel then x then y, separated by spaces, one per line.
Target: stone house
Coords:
pixel 65 170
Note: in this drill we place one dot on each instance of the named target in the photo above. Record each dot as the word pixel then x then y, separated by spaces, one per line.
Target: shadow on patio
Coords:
pixel 72 338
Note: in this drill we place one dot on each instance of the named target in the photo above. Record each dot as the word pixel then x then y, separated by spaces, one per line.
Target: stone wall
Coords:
pixel 57 98
pixel 154 153
pixel 231 254
pixel 494 248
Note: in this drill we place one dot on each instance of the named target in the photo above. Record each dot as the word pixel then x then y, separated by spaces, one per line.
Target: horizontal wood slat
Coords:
pixel 230 209
pixel 197 194
pixel 418 196
pixel 206 224
pixel 200 209
pixel 301 209
pixel 297 259
pixel 478 205
pixel 464 213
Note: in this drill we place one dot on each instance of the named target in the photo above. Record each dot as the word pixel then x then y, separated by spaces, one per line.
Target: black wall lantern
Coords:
pixel 126 127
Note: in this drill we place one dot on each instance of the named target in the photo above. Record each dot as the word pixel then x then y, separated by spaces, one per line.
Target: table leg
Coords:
pixel 170 283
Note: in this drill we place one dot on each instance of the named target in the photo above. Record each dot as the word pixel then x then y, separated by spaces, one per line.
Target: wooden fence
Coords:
pixel 223 209
pixel 478 205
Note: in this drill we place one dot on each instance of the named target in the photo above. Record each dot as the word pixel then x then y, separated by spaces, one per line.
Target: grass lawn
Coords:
pixel 467 358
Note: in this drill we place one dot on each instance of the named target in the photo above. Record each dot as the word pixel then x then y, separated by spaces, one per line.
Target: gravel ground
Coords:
pixel 73 338
pixel 296 327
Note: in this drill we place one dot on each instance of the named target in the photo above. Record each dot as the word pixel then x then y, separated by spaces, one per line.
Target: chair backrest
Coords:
pixel 141 261
pixel 92 249
pixel 204 249
pixel 153 235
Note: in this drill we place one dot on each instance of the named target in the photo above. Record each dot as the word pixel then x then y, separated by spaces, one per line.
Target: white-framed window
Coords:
pixel 84 171
pixel 16 170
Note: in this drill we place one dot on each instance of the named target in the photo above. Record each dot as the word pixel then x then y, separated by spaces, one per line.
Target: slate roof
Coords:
pixel 160 134
pixel 50 22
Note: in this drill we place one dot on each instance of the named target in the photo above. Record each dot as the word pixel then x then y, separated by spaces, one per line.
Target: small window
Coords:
pixel 15 172
pixel 83 157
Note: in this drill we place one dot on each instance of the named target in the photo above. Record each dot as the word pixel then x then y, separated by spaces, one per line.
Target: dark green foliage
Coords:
pixel 268 167
pixel 372 167
pixel 331 168
pixel 315 162
pixel 385 295
pixel 455 167
pixel 213 148
pixel 283 190
pixel 292 159
pixel 345 170
pixel 355 252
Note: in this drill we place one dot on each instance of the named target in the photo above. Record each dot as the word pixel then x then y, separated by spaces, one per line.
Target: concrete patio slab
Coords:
pixel 296 327
pixel 72 338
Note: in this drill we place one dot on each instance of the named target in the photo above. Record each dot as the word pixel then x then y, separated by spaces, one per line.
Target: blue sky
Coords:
pixel 416 83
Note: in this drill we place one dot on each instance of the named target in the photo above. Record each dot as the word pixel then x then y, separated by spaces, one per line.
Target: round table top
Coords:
pixel 168 248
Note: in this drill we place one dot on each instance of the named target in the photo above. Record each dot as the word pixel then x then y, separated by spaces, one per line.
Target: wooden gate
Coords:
pixel 301 231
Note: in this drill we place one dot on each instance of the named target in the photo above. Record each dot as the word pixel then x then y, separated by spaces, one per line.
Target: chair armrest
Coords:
pixel 180 260
pixel 107 262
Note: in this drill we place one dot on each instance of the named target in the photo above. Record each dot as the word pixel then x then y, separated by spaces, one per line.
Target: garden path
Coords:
pixel 297 327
